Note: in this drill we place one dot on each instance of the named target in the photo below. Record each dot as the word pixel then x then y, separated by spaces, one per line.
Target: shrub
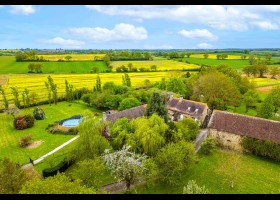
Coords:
pixel 193 188
pixel 24 141
pixel 29 120
pixel 61 167
pixel 19 123
pixel 208 146
pixel 264 148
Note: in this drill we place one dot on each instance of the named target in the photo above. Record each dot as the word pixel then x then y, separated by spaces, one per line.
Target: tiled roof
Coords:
pixel 128 113
pixel 254 127
pixel 182 106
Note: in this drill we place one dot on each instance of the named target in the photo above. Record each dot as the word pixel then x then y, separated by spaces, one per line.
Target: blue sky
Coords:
pixel 139 27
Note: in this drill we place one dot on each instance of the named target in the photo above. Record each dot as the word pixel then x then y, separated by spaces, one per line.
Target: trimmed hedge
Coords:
pixel 264 148
pixel 61 167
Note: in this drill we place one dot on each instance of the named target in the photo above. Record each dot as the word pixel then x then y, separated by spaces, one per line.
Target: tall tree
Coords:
pixel 274 71
pixel 6 103
pixel 156 105
pixel 27 97
pixel 49 92
pixel 98 84
pixel 205 55
pixel 130 66
pixel 16 96
pixel 252 60
pixel 67 90
pixel 262 68
pixel 250 99
pixel 266 108
pixel 275 93
pixel 126 80
pixel 125 165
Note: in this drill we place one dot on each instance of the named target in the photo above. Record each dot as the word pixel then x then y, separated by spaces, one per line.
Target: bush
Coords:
pixel 23 122
pixel 264 148
pixel 208 146
pixel 193 188
pixel 24 141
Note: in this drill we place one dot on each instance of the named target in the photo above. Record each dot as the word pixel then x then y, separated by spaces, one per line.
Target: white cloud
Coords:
pixel 121 32
pixel 266 25
pixel 198 34
pixel 22 9
pixel 204 46
pixel 66 43
pixel 232 17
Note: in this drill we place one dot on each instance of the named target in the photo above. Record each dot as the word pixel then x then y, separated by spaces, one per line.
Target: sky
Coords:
pixel 139 26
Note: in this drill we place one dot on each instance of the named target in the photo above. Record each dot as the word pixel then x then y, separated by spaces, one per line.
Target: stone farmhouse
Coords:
pixel 179 108
pixel 229 128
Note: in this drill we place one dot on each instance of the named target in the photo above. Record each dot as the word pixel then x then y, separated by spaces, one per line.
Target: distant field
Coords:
pixel 9 50
pixel 162 65
pixel 8 65
pixel 75 57
pixel 234 63
pixel 35 82
pixel 214 56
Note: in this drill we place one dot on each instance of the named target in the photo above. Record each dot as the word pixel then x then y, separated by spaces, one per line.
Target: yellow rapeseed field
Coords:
pixel 214 56
pixel 75 57
pixel 162 65
pixel 36 83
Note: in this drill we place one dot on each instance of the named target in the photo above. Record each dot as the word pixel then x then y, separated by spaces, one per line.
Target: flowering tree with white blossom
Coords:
pixel 125 165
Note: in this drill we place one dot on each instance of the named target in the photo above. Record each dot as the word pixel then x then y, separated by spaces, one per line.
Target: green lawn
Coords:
pixel 8 65
pixel 9 135
pixel 253 175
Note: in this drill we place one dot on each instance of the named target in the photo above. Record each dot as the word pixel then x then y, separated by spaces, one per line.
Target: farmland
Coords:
pixel 9 135
pixel 75 57
pixel 8 65
pixel 162 65
pixel 214 56
pixel 35 83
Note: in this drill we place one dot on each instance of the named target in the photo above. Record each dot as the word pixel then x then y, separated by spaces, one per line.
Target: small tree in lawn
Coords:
pixel 193 188
pixel 98 84
pixel 2 91
pixel 208 146
pixel 126 80
pixel 125 165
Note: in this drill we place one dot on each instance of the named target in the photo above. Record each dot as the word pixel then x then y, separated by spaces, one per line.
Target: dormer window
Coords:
pixel 196 110
pixel 189 109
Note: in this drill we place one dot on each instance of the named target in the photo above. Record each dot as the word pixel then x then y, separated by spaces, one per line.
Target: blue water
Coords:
pixel 71 122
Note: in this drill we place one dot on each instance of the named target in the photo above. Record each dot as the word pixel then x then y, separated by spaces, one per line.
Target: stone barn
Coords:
pixel 229 128
pixel 179 108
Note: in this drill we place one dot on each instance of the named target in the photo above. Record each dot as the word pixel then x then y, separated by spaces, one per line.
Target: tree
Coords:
pixel 252 60
pixel 6 103
pixel 218 90
pixel 262 68
pixel 149 133
pixel 68 58
pixel 153 68
pixel 34 98
pixel 266 108
pixel 16 96
pixel 91 143
pixel 275 93
pixel 218 56
pixel 130 66
pixel 31 67
pixel 274 71
pixel 98 84
pixel 156 105
pixel 129 103
pixel 90 172
pixel 12 177
pixel 208 146
pixel 173 160
pixel 176 85
pixel 51 88
pixel 95 69
pixel 268 56
pixel 58 184
pixel 247 70
pixel 49 92
pixel 243 57
pixel 106 59
pixel 126 80
pixel 38 67
pixel 86 98
pixel 224 56
pixel 125 165
pixel 193 188
pixel 205 55
pixel 113 101
pixel 67 93
pixel 26 97
pixel 250 99
pixel 188 128
pixel 188 54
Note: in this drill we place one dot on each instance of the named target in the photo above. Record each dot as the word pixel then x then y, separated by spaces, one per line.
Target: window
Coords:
pixel 196 110
pixel 189 109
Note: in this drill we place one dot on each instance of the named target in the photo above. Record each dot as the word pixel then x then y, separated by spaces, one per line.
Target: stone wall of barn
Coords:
pixel 227 140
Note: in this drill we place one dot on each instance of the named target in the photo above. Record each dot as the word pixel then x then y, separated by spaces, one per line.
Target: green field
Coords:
pixel 8 65
pixel 10 136
pixel 75 57
pixel 253 175
pixel 162 65
pixel 36 82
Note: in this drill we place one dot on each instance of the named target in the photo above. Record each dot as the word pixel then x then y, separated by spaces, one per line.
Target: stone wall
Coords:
pixel 227 140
